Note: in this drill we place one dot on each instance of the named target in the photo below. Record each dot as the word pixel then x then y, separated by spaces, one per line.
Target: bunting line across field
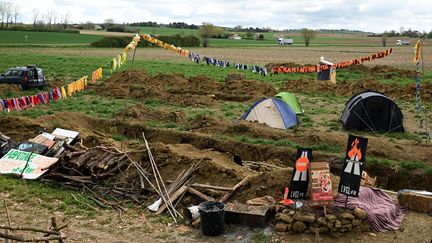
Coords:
pixel 261 69
pixel 68 90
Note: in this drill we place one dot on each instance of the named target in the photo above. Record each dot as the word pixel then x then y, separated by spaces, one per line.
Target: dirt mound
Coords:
pixel 176 88
pixel 351 88
pixel 142 113
pixel 243 90
pixel 19 128
pixel 7 89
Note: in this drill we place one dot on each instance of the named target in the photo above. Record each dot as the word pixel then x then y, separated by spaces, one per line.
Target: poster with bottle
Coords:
pixel 300 176
pixel 321 185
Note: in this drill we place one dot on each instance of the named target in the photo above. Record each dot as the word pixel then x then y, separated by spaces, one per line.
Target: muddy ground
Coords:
pixel 214 138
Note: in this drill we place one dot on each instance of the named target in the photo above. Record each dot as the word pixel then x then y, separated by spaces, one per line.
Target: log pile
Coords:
pixel 89 165
pixel 100 171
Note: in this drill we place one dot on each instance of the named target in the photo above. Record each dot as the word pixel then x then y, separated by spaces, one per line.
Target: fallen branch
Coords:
pixel 19 228
pixel 200 195
pixel 88 205
pixel 173 198
pixel 33 239
pixel 80 179
pixel 205 186
pixel 229 194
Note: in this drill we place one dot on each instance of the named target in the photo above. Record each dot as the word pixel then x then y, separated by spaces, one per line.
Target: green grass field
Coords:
pixel 53 38
pixel 45 38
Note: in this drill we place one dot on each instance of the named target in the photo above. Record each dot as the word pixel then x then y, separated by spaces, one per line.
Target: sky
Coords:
pixel 367 15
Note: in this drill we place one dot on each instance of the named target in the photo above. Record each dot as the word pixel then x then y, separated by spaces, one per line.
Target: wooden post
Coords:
pixel 133 57
pixel 346 202
pixel 425 102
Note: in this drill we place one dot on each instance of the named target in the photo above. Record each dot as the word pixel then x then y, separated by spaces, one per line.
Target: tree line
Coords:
pixel 9 13
pixel 50 19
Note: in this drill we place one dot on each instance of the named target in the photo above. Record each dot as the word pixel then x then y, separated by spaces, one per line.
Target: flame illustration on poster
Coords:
pixel 355 155
pixel 300 177
pixel 353 167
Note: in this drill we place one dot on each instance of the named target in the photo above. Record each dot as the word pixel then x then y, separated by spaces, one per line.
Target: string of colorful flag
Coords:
pixel 261 69
pixel 68 90
pixel 418 101
pixel 195 58
pixel 343 64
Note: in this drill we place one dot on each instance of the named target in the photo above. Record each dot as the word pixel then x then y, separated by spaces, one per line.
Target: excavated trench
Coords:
pixel 96 131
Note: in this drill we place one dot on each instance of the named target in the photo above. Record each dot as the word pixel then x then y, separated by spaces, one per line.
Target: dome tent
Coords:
pixel 272 112
pixel 291 100
pixel 372 111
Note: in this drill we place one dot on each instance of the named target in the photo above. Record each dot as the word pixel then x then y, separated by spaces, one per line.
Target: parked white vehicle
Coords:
pixel 402 42
pixel 282 41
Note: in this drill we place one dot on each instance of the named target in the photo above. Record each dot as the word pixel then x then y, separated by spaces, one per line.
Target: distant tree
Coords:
pixel 108 22
pixel 35 17
pixel 2 13
pixel 16 13
pixel 9 11
pixel 249 35
pixel 65 20
pixel 49 17
pixel 384 38
pixel 260 37
pixel 206 31
pixel 308 34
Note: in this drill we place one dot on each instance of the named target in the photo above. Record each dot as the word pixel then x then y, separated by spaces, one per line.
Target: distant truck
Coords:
pixel 402 43
pixel 25 77
pixel 283 41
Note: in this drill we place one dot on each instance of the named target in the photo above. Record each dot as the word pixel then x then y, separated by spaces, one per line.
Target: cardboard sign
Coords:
pixel 14 162
pixel 353 167
pixel 300 177
pixel 62 133
pixel 321 186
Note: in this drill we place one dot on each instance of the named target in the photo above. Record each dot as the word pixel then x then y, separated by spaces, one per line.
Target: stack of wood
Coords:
pixel 89 165
pixel 101 171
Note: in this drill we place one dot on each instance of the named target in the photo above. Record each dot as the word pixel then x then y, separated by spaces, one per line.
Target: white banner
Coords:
pixel 14 162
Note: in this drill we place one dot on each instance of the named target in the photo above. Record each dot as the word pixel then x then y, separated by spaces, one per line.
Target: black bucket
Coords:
pixel 212 216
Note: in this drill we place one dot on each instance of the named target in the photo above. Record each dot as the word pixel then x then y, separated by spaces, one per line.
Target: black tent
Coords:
pixel 372 111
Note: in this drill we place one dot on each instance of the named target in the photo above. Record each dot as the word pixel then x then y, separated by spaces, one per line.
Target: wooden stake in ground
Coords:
pixel 8 217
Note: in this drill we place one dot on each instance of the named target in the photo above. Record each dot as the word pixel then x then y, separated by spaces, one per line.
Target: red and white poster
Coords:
pixel 28 164
pixel 321 186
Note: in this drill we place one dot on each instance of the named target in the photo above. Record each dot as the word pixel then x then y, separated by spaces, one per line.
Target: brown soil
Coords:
pixel 206 136
pixel 177 89
pixel 9 88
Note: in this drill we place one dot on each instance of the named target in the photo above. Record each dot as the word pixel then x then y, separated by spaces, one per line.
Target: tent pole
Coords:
pixel 425 101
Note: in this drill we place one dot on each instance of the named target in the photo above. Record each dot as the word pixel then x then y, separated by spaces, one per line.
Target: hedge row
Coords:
pixel 122 41
pixel 40 29
pixel 115 41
